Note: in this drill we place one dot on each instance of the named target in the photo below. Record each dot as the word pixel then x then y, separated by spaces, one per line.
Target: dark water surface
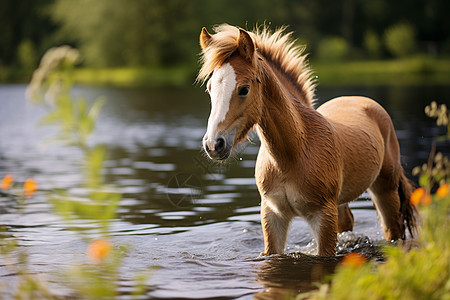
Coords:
pixel 198 222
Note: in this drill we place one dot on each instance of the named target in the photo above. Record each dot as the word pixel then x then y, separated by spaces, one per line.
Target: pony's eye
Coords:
pixel 243 91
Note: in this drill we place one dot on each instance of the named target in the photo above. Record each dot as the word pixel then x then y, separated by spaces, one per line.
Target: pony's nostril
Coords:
pixel 220 145
pixel 217 148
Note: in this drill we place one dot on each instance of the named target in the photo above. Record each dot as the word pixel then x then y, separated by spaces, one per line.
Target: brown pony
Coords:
pixel 311 163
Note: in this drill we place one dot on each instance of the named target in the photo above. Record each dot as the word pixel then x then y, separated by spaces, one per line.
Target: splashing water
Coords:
pixel 349 242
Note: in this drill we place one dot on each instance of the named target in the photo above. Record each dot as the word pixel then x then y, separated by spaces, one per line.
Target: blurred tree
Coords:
pixel 23 21
pixel 27 55
pixel 164 32
pixel 333 49
pixel 117 32
pixel 372 44
pixel 400 39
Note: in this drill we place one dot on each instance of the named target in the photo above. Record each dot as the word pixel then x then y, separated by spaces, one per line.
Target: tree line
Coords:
pixel 149 33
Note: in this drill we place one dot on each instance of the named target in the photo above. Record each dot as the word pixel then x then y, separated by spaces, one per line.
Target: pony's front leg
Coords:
pixel 325 227
pixel 275 224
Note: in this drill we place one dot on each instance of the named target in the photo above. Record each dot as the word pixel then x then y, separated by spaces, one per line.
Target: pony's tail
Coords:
pixel 408 211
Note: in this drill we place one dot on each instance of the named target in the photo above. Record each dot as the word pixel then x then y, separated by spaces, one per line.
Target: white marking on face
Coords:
pixel 222 83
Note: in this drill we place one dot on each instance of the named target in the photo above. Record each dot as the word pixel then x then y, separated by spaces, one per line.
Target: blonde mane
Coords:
pixel 277 48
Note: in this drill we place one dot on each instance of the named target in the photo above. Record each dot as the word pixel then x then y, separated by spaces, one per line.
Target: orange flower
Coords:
pixel 354 260
pixel 426 200
pixel 7 182
pixel 417 196
pixel 442 191
pixel 98 250
pixel 30 186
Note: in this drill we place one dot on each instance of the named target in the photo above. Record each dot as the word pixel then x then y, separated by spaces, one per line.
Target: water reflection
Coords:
pixel 198 221
pixel 285 276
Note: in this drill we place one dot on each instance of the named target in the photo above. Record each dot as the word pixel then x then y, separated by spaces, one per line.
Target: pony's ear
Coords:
pixel 245 45
pixel 205 38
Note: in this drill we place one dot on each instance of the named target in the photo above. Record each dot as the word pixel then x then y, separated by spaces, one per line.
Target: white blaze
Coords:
pixel 223 83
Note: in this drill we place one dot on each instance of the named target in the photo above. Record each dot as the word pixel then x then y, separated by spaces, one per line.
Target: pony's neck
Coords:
pixel 281 128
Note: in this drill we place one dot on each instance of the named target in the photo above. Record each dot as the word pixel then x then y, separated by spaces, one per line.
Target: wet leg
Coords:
pixel 387 204
pixel 275 225
pixel 325 227
pixel 345 218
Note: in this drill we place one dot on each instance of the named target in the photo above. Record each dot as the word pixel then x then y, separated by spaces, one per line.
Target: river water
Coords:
pixel 194 223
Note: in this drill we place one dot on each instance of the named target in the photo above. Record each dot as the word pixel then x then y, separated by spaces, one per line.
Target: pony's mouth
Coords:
pixel 224 156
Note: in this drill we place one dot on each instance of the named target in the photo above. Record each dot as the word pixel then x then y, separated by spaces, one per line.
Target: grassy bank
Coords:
pixel 133 77
pixel 412 71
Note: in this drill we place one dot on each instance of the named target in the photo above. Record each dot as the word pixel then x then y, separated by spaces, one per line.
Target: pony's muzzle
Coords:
pixel 217 148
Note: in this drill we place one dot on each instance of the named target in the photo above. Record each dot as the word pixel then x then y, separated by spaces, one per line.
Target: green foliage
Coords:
pixel 134 34
pixel 165 32
pixel 99 210
pixel 75 119
pixel 23 21
pixel 51 86
pixel 400 40
pixel 422 273
pixel 27 55
pixel 53 78
pixel 333 49
pixel 441 114
pixel 419 274
pixel 372 44
pixel 437 169
pixel 28 286
pixel 97 281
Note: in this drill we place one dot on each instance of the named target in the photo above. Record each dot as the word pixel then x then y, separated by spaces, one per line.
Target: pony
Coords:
pixel 311 163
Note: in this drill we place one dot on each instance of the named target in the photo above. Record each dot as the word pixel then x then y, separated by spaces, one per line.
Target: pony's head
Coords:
pixel 231 72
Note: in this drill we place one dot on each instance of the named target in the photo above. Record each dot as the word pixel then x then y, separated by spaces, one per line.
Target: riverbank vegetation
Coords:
pixel 155 43
pixel 419 70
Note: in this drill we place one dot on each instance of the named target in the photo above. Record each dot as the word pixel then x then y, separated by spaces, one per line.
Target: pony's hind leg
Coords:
pixel 345 218
pixel 387 203
pixel 391 189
